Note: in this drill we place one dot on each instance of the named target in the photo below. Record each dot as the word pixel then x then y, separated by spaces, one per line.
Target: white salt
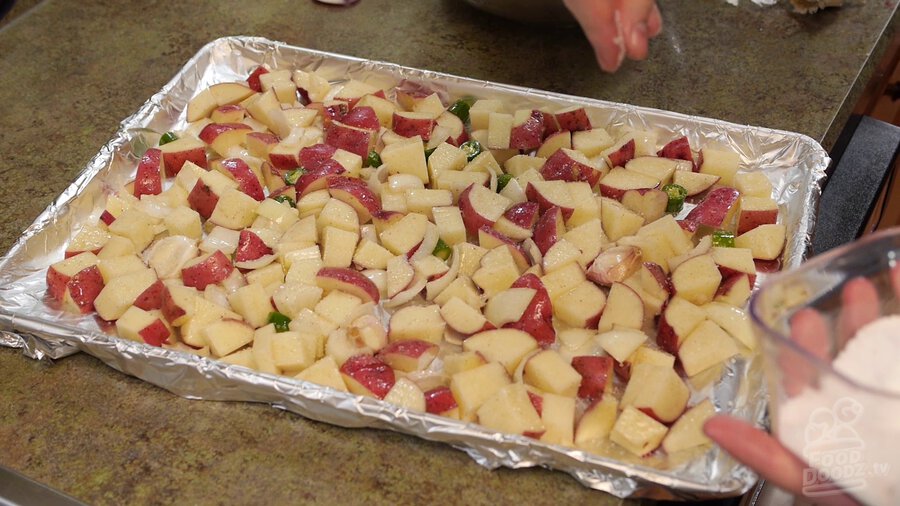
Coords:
pixel 851 435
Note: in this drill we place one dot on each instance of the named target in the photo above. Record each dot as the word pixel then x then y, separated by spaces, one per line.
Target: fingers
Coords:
pixel 597 20
pixel 654 22
pixel 635 21
pixel 810 331
pixel 617 28
pixel 768 457
pixel 758 450
pixel 860 306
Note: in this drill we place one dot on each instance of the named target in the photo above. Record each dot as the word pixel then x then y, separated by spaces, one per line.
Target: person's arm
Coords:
pixel 617 28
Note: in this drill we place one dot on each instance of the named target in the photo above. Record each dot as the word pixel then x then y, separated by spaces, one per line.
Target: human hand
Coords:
pixel 763 452
pixel 617 28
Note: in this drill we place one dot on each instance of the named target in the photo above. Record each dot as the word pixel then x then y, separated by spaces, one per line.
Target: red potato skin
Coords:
pixel 352 139
pixel 528 135
pixel 623 155
pixel 318 179
pixel 356 282
pixel 259 143
pixel 439 400
pixel 155 334
pixel 152 297
pixel 203 200
pixel 713 209
pixel 548 229
pixel 170 310
pixel 562 167
pixel 250 247
pixel 313 157
pixel 284 161
pixel 595 374
pixel 215 268
pixel 56 283
pixel 537 402
pixel 410 92
pixel 362 117
pixel 767 265
pixel 332 111
pixel 515 249
pixel 729 283
pixel 678 149
pixel 649 412
pixel 107 218
pixel 356 193
pixel 411 127
pixel 573 121
pixel 253 78
pixel 287 191
pixel 246 179
pixel 727 272
pixel 213 130
pixel 660 275
pixel 173 162
pixel 371 372
pixel 535 196
pixel 148 180
pixel 523 214
pixel 84 287
pixel 665 335
pixel 537 318
pixel 471 219
pixel 749 220
pixel 408 347
pixel 227 109
pixel 551 125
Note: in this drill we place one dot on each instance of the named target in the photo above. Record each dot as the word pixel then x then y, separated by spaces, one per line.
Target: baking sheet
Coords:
pixel 29 320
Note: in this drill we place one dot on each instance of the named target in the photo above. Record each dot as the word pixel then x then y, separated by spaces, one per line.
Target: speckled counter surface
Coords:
pixel 71 70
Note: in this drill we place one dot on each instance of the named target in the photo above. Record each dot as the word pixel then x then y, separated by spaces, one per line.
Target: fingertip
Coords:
pixel 654 22
pixel 636 41
pixel 720 428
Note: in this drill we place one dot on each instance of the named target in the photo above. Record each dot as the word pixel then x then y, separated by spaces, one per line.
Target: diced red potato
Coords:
pixel 253 78
pixel 148 180
pixel 246 179
pixel 349 138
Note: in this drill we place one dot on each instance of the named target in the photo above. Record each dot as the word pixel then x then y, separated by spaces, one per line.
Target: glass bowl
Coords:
pixel 834 397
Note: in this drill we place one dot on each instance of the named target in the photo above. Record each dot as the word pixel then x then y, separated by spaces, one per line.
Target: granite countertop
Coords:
pixel 70 71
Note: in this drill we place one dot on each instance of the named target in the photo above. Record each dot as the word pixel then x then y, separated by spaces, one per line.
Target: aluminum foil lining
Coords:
pixel 31 321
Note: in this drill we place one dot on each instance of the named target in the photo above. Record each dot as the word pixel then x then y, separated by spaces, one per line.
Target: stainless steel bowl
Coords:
pixel 551 12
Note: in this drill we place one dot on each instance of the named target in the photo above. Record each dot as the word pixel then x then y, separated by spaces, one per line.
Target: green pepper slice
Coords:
pixel 461 107
pixel 167 138
pixel 284 199
pixel 502 181
pixel 442 250
pixel 280 320
pixel 291 177
pixel 723 239
pixel 676 194
pixel 472 149
pixel 374 159
pixel 428 152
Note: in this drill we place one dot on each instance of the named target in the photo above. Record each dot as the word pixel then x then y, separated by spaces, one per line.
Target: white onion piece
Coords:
pixel 168 255
pixel 220 238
